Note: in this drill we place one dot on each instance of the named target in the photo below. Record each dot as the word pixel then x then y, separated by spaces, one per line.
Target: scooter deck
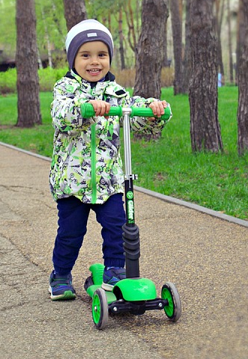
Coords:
pixel 110 295
pixel 132 289
pixel 95 281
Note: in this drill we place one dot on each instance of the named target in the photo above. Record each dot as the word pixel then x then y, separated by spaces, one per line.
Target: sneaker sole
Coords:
pixel 67 295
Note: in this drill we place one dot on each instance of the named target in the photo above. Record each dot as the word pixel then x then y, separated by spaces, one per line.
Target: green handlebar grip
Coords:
pixel 147 112
pixel 87 110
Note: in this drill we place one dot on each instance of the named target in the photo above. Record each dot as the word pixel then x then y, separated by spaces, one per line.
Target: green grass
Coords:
pixel 216 181
pixel 38 139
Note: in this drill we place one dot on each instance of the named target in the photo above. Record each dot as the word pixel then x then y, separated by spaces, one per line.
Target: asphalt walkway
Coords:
pixel 204 253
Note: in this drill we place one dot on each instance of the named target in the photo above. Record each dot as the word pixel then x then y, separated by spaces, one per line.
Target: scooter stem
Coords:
pixel 127 143
pixel 130 229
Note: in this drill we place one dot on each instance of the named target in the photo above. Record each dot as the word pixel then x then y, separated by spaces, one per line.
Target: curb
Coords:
pixel 160 196
pixel 193 206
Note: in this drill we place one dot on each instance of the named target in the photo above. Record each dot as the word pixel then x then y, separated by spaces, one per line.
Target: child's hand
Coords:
pixel 158 108
pixel 101 107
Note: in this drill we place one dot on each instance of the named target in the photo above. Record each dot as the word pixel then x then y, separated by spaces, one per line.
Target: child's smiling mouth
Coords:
pixel 94 72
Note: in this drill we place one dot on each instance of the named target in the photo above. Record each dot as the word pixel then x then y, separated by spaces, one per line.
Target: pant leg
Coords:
pixel 72 226
pixel 111 216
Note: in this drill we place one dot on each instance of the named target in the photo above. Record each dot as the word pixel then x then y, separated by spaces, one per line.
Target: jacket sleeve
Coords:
pixel 65 108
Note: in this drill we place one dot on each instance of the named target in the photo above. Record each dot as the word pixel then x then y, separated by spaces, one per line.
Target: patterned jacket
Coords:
pixel 86 160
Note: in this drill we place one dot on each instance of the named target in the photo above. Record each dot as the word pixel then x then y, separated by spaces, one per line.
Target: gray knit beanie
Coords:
pixel 86 31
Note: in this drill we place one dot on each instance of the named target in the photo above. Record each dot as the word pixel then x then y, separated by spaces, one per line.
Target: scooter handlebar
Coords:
pixel 87 111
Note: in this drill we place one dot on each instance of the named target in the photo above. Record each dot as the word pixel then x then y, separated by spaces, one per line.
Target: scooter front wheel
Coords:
pixel 173 309
pixel 100 308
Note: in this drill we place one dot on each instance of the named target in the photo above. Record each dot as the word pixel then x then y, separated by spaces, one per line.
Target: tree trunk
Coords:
pixel 39 60
pixel 218 23
pixel 137 16
pixel 229 42
pixel 242 82
pixel 49 52
pixel 240 37
pixel 203 95
pixel 56 16
pixel 186 64
pixel 176 22
pixel 75 11
pixel 27 65
pixel 149 54
pixel 131 29
pixel 121 49
pixel 166 62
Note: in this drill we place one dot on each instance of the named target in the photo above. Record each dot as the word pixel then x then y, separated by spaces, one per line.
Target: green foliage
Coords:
pixel 47 79
pixel 7 29
pixel 167 166
pixel 48 76
pixel 8 81
pixel 51 26
pixel 95 10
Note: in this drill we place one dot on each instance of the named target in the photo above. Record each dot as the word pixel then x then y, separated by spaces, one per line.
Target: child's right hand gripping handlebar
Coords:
pixel 87 111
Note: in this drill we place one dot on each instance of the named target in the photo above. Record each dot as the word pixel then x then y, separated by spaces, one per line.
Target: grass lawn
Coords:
pixel 167 166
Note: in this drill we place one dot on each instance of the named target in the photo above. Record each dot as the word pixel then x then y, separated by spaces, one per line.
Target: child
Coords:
pixel 86 169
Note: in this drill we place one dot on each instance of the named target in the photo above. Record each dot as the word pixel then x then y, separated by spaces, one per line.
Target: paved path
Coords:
pixel 205 256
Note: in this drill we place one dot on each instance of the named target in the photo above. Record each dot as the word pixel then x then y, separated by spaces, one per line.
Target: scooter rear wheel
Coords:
pixel 173 309
pixel 100 308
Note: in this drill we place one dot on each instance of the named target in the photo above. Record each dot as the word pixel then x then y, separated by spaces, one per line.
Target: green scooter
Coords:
pixel 133 294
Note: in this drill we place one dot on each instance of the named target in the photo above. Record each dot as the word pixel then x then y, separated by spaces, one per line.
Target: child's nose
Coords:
pixel 95 59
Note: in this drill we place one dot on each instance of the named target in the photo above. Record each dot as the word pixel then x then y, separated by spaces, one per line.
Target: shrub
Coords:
pixel 48 77
pixel 126 78
pixel 8 81
pixel 167 77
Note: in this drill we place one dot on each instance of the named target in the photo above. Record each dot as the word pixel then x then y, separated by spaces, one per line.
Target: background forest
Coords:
pixel 124 20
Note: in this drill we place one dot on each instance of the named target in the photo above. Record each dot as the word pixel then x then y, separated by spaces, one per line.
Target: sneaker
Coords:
pixel 61 287
pixel 111 276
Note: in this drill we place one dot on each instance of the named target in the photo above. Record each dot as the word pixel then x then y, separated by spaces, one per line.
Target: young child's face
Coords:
pixel 92 61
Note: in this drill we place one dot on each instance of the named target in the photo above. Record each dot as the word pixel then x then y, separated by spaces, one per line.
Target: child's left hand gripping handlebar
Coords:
pixel 87 111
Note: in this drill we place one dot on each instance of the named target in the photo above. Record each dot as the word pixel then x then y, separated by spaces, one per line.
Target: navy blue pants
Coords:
pixel 72 227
